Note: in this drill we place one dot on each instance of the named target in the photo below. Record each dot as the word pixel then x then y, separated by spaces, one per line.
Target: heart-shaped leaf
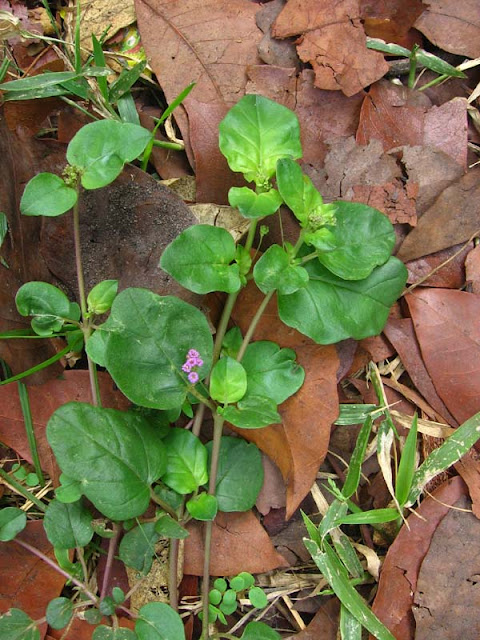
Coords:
pixel 252 412
pixel 68 525
pixel 47 195
pixel 330 309
pixel 203 507
pixel 271 371
pixel 16 625
pixel 255 133
pixel 49 306
pixel 115 455
pixel 146 342
pixel 275 270
pixel 200 260
pixel 100 149
pixel 254 205
pixel 137 547
pixel 186 468
pixel 239 475
pixel 228 381
pixel 158 621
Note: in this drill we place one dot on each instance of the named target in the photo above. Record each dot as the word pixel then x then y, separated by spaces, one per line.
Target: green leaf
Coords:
pixel 354 413
pixel 232 342
pixel 16 625
pixel 434 63
pixel 375 516
pixel 68 525
pixel 394 49
pixel 118 595
pixel 350 627
pixel 329 521
pixel 275 270
pixel 254 205
pixel 125 81
pixel 228 381
pixel 203 507
pixel 454 447
pixel 3 227
pixel 272 372
pixel 167 527
pixel 258 598
pixel 69 490
pixel 47 195
pixel 220 584
pixel 406 468
pixel 49 306
pixel 215 596
pixel 255 133
pixel 253 412
pixel 93 615
pixel 239 475
pixel 347 554
pixel 59 612
pixel 356 461
pixel 363 239
pixel 115 455
pixel 137 547
pixel 297 190
pixel 186 468
pixel 335 574
pixel 101 297
pixel 147 343
pixel 38 82
pixel 158 621
pixel 12 521
pixel 100 149
pixel 259 631
pixel 108 633
pixel 200 260
pixel 330 309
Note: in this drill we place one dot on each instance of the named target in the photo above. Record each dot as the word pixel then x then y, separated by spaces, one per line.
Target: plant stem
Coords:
pixel 253 325
pixel 19 488
pixel 32 441
pixel 223 324
pixel 218 421
pixel 54 565
pixel 112 547
pixel 167 508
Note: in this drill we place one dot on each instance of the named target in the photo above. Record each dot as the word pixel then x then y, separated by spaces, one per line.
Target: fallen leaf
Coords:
pixel 452 26
pixel 448 332
pixel 232 534
pixel 44 400
pixel 298 446
pixel 401 334
pixel 96 14
pixel 81 630
pixel 394 199
pixel 28 582
pixel 393 114
pixel 124 228
pixel 272 493
pixel 333 41
pixel 449 276
pixel 446 600
pixel 279 53
pixel 210 42
pixel 324 625
pixel 446 128
pixel 453 218
pixel 390 20
pixel 472 269
pixel 398 578
pixel 468 468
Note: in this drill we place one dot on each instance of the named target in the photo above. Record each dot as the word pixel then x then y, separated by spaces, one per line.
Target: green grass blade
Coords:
pixel 125 81
pixel 375 516
pixel 99 59
pixel 27 419
pixel 78 54
pixel 4 68
pixel 174 104
pixel 127 109
pixel 335 574
pixel 386 47
pixel 350 627
pixel 335 511
pixel 347 554
pixel 354 413
pixel 355 466
pixel 436 64
pixel 38 367
pixel 406 468
pixel 447 454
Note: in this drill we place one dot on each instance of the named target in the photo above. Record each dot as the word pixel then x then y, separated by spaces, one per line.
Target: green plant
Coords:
pixel 417 56
pixel 337 281
pixel 225 596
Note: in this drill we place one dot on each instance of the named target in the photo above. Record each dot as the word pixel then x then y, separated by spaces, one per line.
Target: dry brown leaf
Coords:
pixel 209 43
pixel 452 26
pixel 98 14
pixel 446 600
pixel 453 218
pixel 272 493
pixel 324 625
pixel 232 534
pixel 472 269
pixel 446 128
pixel 448 332
pixel 333 41
pixel 398 578
pixel 299 445
pixel 449 276
pixel 468 468
pixel 280 53
pixel 390 20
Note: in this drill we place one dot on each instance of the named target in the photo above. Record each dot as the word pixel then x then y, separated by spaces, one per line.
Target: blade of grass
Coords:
pixel 32 440
pixel 355 465
pixel 374 516
pixel 39 367
pixel 350 627
pixel 354 413
pixel 99 59
pixel 19 488
pixel 406 468
pixel 78 54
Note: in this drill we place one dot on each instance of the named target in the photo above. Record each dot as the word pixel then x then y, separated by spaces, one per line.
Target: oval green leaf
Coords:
pixel 115 456
pixel 186 468
pixel 255 133
pixel 203 507
pixel 12 521
pixel 137 547
pixel 330 309
pixel 59 612
pixel 47 195
pixel 276 271
pixel 68 525
pixel 200 260
pixel 259 631
pixel 252 412
pixel 101 297
pixel 49 306
pixel 228 381
pixel 16 625
pixel 254 205
pixel 158 621
pixel 167 527
pixel 297 190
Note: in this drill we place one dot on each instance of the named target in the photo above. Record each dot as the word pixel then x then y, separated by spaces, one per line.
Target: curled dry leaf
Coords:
pixel 299 445
pixel 333 41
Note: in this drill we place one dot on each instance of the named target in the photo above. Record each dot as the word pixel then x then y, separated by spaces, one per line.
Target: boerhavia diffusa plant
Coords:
pixel 337 280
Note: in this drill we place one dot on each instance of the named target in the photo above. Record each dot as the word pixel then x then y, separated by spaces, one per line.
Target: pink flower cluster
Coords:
pixel 193 360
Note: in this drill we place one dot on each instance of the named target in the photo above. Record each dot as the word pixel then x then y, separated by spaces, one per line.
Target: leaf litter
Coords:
pixel 365 139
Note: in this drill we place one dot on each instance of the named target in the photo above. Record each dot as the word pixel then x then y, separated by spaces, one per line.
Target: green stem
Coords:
pixel 166 507
pixel 21 489
pixel 32 441
pixel 413 67
pixel 218 421
pixel 253 325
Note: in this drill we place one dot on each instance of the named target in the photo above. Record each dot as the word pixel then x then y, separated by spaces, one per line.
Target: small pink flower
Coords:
pixel 186 367
pixel 193 353
pixel 193 377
